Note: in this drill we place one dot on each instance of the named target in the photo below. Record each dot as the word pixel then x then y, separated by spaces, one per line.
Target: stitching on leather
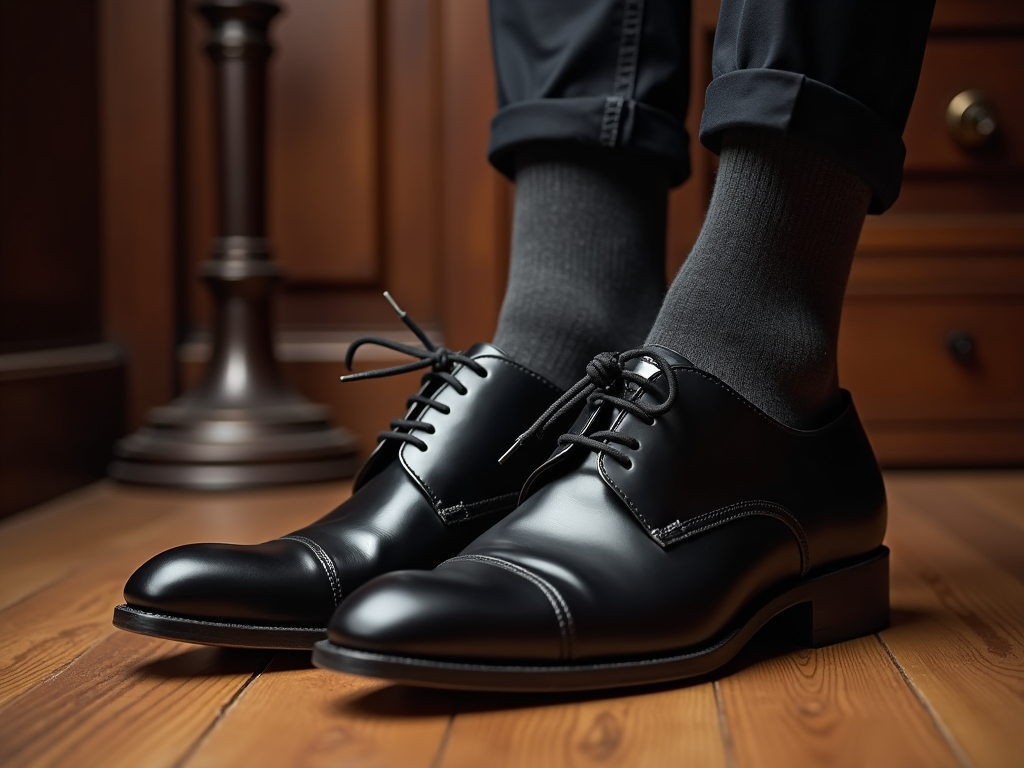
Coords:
pixel 604 472
pixel 736 511
pixel 524 369
pixel 434 498
pixel 203 622
pixel 468 509
pixel 562 614
pixel 325 561
pixel 749 508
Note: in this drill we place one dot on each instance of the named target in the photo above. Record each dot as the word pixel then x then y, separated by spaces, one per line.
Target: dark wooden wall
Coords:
pixel 379 114
pixel 61 384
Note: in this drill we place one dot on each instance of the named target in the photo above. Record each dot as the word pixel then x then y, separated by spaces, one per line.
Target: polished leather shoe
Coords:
pixel 675 521
pixel 432 485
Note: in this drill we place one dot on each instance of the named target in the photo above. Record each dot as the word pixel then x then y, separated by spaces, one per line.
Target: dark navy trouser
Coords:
pixel 614 74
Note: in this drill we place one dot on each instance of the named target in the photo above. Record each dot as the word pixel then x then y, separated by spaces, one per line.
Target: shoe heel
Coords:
pixel 850 603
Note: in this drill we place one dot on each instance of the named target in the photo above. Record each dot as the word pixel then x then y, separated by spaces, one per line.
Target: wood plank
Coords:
pixel 674 727
pixel 844 705
pixel 48 630
pixel 999 492
pixel 40 547
pixel 958 632
pixel 959 506
pixel 296 715
pixel 130 701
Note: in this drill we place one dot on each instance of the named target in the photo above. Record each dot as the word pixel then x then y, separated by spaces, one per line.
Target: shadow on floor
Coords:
pixel 209 662
pixel 774 640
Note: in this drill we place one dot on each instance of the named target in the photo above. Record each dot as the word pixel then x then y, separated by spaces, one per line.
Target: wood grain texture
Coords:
pixel 959 632
pixel 677 727
pixel 475 198
pixel 53 626
pixel 844 705
pixel 323 142
pixel 39 548
pixel 294 715
pixel 942 688
pixel 130 701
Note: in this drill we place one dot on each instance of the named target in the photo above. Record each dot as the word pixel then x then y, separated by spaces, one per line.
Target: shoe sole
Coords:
pixel 849 602
pixel 216 633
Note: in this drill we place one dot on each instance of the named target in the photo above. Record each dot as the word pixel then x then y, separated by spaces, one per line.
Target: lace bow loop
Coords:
pixel 440 360
pixel 605 376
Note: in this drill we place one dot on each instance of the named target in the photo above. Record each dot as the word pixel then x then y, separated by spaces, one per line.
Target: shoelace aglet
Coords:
pixel 393 303
pixel 512 449
pixel 410 323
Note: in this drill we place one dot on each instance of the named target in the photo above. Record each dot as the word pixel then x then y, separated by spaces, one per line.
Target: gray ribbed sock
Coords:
pixel 757 302
pixel 588 260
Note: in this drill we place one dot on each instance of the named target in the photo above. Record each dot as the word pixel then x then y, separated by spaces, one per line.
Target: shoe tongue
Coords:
pixel 647 368
pixel 482 348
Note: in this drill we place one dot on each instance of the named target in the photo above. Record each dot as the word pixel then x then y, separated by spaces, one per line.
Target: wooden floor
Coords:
pixel 944 686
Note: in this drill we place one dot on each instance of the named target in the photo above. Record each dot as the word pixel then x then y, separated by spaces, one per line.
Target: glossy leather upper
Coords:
pixel 720 506
pixel 411 508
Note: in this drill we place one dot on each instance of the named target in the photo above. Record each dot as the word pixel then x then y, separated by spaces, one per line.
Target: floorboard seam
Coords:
pixel 55 673
pixel 221 714
pixel 443 746
pixel 723 728
pixel 948 737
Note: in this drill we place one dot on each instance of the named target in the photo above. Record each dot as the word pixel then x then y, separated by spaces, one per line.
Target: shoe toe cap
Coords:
pixel 279 582
pixel 464 610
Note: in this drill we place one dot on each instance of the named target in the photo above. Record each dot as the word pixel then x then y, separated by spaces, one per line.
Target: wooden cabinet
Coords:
pixel 932 343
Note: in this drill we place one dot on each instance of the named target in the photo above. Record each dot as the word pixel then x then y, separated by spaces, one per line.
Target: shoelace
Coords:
pixel 606 375
pixel 440 360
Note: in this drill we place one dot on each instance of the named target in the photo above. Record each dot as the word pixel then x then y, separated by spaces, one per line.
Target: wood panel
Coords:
pixel 324 169
pixel 49 176
pixel 138 182
pixel 353 154
pixel 60 412
pixel 477 204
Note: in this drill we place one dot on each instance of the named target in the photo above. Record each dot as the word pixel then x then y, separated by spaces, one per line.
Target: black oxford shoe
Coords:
pixel 432 486
pixel 674 523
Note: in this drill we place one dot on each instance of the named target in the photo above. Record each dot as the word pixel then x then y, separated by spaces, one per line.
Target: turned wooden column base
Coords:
pixel 187 446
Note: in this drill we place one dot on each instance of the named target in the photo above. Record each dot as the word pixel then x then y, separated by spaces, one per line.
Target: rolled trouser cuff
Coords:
pixel 609 122
pixel 852 134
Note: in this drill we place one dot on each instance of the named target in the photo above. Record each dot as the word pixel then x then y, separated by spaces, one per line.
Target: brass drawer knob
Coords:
pixel 961 346
pixel 970 118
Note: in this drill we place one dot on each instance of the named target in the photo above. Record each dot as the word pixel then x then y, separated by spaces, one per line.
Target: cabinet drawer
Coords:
pixel 896 359
pixel 993 65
